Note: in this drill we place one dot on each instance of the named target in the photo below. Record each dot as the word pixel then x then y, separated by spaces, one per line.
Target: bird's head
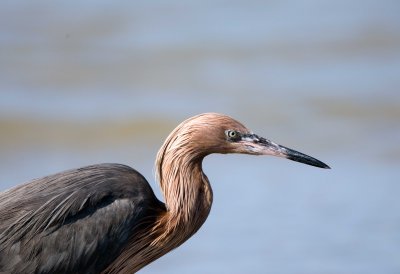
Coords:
pixel 216 133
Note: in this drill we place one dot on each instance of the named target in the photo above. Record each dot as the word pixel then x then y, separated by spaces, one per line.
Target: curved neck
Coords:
pixel 187 192
pixel 188 199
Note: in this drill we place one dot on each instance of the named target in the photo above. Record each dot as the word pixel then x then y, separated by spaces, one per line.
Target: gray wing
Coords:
pixel 76 221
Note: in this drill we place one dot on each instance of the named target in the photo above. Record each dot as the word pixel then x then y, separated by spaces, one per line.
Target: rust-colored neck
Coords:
pixel 187 193
pixel 188 199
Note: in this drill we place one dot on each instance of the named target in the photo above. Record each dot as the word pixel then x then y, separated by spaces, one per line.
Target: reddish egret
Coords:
pixel 106 219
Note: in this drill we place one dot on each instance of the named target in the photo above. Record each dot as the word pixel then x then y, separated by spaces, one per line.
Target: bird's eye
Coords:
pixel 232 134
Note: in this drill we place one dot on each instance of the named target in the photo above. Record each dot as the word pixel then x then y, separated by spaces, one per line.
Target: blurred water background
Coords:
pixel 85 82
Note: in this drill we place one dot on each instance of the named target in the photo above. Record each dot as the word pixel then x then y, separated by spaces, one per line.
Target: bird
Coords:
pixel 105 218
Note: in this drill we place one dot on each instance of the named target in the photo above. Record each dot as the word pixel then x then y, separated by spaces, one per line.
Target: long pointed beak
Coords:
pixel 261 146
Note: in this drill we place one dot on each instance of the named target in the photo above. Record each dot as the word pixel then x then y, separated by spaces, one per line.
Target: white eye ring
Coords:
pixel 231 133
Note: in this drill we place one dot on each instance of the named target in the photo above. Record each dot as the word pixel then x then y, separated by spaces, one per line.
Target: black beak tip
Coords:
pixel 317 163
pixel 324 166
pixel 305 159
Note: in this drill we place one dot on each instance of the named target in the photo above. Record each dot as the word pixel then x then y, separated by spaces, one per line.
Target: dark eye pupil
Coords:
pixel 233 135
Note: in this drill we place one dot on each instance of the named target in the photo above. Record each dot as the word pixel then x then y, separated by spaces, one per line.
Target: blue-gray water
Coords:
pixel 84 82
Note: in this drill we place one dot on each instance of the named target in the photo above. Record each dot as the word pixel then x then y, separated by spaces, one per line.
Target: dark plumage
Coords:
pixel 74 221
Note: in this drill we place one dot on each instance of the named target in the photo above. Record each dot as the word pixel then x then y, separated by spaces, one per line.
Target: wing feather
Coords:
pixel 74 220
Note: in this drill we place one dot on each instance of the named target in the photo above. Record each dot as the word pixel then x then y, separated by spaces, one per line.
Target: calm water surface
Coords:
pixel 91 82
